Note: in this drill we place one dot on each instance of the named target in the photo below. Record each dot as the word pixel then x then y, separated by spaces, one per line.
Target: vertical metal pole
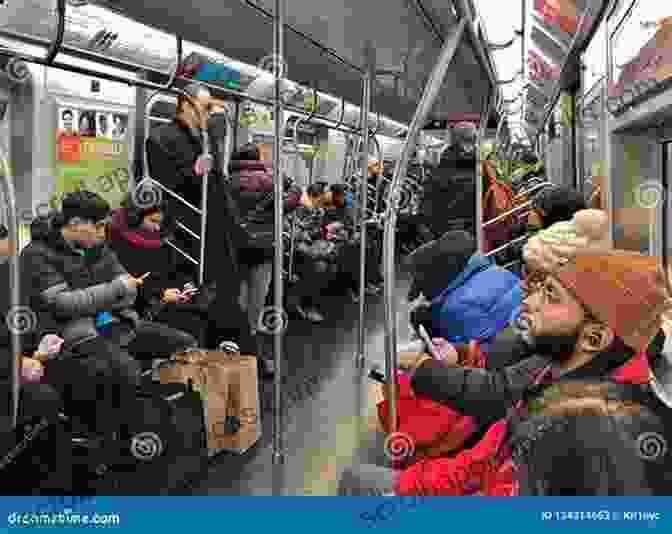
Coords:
pixel 204 210
pixel 606 133
pixel 579 130
pixel 480 239
pixel 236 124
pixel 427 101
pixel 278 112
pixel 368 81
pixel 360 358
pixel 14 284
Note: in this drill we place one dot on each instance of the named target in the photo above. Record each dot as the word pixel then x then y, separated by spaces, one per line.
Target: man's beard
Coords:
pixel 557 347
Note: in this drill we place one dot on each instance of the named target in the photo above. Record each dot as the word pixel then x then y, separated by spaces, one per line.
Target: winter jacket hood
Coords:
pixel 478 304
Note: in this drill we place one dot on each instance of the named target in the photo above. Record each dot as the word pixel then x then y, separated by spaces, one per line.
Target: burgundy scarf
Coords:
pixel 139 237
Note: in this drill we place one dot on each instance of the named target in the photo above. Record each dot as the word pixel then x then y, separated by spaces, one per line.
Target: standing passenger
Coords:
pixel 173 157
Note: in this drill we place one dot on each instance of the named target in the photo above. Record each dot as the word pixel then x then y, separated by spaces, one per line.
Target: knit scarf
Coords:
pixel 136 237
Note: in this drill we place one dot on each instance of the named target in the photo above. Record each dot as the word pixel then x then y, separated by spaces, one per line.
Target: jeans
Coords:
pixel 253 292
pixel 367 480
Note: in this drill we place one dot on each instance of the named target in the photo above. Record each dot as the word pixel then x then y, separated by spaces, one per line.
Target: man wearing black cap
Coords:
pixel 173 154
pixel 77 284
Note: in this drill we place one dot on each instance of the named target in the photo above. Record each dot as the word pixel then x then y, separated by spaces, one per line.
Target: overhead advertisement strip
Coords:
pixel 642 55
pixel 559 30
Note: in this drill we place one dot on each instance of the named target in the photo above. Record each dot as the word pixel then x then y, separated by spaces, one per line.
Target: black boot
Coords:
pixel 265 365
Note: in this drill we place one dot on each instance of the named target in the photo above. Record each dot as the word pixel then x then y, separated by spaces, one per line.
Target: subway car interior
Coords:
pixel 311 248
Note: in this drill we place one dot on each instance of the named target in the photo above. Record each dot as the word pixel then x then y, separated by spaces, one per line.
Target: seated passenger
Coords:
pixel 74 278
pixel 470 297
pixel 551 205
pixel 592 324
pixel 315 258
pixel 138 237
pixel 37 400
pixel 349 252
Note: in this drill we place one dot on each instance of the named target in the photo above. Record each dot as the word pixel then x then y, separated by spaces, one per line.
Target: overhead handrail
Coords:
pixel 55 47
pixel 507 214
pixel 295 131
pixel 15 309
pixel 144 84
pixel 429 96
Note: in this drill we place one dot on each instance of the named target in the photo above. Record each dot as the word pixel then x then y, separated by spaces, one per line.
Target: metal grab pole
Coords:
pixel 204 209
pixel 364 197
pixel 14 283
pixel 427 101
pixel 278 112
pixel 480 238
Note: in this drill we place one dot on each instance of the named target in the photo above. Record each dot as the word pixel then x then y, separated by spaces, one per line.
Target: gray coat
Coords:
pixel 67 289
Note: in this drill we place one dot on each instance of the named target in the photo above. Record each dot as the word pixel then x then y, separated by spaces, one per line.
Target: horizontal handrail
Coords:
pixel 532 189
pixel 187 230
pixel 174 195
pixel 507 214
pixel 178 249
pixel 507 245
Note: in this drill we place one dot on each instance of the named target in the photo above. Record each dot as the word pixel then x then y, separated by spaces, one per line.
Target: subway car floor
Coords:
pixel 321 399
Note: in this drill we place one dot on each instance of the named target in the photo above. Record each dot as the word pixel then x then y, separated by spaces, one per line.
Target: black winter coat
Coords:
pixel 172 151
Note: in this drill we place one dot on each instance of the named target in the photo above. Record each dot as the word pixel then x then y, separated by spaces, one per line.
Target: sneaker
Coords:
pixel 353 296
pixel 314 316
pixel 310 314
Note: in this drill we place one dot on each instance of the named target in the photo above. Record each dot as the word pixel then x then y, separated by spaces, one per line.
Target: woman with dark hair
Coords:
pixel 555 204
pixel 138 236
pixel 252 190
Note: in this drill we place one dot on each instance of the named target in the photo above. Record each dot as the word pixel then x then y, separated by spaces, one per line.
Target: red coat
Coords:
pixel 476 471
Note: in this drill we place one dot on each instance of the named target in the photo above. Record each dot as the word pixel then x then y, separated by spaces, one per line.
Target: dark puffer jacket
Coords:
pixel 69 288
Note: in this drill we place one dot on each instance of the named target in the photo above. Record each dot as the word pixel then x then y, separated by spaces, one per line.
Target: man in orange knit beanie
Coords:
pixel 591 321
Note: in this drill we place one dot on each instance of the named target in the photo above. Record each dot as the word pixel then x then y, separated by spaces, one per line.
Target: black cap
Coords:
pixel 85 205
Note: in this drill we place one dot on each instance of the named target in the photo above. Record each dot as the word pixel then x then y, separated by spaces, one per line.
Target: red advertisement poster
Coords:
pixel 69 148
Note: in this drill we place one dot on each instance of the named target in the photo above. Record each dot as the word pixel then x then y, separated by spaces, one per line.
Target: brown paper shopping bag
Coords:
pixel 244 407
pixel 212 380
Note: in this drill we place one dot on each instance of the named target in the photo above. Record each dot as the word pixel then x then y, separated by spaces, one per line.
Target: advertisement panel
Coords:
pixel 91 154
pixel 642 54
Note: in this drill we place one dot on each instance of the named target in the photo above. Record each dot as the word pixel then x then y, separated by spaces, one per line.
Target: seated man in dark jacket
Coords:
pixel 74 279
pixel 48 470
pixel 590 324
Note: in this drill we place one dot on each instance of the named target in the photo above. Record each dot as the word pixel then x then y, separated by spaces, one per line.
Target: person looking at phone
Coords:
pixel 76 283
pixel 139 236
